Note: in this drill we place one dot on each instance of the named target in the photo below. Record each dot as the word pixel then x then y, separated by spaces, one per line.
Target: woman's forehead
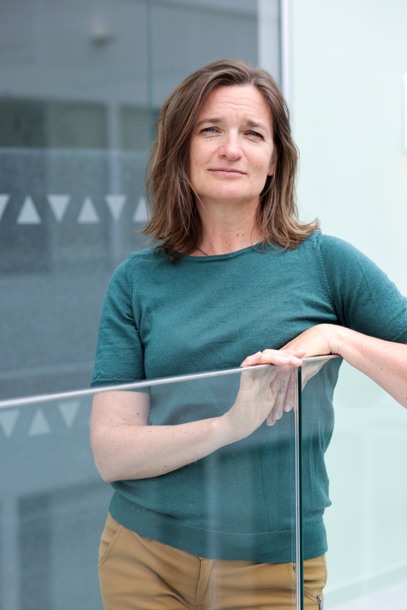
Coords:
pixel 244 102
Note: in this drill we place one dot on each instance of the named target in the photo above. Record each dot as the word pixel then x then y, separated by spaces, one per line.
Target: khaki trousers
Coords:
pixel 137 573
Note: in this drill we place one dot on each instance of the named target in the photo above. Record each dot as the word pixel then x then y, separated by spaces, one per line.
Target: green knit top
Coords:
pixel 162 318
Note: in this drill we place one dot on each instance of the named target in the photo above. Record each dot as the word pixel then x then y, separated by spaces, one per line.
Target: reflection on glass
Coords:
pixel 51 507
pixel 55 507
pixel 361 468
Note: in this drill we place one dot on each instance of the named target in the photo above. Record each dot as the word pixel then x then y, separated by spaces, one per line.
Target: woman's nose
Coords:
pixel 230 149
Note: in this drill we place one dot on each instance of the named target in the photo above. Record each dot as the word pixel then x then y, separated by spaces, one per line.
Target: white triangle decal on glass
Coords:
pixel 28 214
pixel 88 215
pixel 58 203
pixel 140 215
pixel 69 410
pixel 39 425
pixel 116 204
pixel 3 202
pixel 8 420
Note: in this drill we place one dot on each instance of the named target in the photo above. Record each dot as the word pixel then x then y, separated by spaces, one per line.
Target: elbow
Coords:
pixel 401 396
pixel 105 472
pixel 105 462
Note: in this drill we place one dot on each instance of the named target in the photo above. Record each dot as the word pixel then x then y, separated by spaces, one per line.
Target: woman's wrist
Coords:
pixel 336 339
pixel 343 341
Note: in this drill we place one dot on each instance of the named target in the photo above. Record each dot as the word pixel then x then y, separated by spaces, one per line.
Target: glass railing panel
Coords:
pixel 365 462
pixel 317 381
pixel 67 218
pixel 241 502
pixel 51 506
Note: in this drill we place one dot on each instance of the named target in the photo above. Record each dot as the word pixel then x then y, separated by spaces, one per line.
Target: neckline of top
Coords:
pixel 211 257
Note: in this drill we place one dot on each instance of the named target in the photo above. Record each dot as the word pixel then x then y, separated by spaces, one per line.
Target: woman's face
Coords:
pixel 231 150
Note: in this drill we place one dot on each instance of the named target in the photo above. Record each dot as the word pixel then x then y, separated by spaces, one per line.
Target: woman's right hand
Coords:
pixel 264 394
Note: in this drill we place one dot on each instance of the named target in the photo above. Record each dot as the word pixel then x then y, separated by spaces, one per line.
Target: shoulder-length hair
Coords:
pixel 174 218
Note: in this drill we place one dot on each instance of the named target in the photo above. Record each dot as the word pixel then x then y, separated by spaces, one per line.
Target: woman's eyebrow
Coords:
pixel 249 122
pixel 214 120
pixel 255 125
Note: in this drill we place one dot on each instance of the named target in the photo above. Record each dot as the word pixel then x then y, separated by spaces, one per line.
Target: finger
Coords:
pixel 297 352
pixel 281 357
pixel 291 395
pixel 272 356
pixel 265 392
pixel 252 360
pixel 281 390
pixel 270 421
pixel 272 393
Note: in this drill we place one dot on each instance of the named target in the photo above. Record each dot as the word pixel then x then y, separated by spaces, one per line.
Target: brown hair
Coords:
pixel 174 216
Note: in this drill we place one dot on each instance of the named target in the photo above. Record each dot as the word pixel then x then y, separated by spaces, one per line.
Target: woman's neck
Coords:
pixel 227 228
pixel 224 233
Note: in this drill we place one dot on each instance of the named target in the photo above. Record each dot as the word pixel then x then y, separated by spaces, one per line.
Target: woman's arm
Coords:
pixel 385 362
pixel 126 447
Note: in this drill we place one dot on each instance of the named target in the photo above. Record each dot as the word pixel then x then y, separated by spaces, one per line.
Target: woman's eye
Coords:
pixel 255 134
pixel 209 130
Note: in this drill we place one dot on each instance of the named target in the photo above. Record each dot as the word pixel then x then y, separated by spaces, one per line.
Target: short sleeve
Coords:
pixel 364 297
pixel 119 352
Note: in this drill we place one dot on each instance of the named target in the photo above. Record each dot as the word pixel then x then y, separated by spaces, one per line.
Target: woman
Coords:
pixel 236 278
